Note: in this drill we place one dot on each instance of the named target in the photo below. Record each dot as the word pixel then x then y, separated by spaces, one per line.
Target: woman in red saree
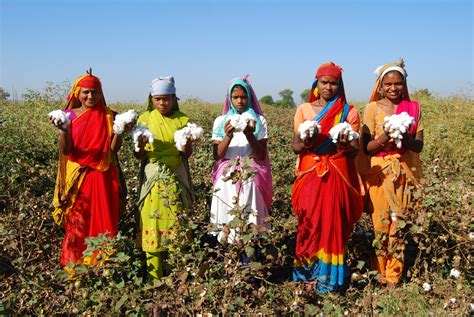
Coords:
pixel 327 194
pixel 87 193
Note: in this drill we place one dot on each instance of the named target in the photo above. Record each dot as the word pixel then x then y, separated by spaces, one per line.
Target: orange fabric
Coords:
pixel 390 181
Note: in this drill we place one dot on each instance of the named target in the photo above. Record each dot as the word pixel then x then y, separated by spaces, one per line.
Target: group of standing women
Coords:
pixel 328 193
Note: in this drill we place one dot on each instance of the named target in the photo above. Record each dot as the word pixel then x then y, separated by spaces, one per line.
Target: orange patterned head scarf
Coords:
pixel 84 81
pixel 381 71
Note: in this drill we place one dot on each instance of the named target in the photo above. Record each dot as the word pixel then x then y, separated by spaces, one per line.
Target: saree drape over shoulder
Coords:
pixel 390 176
pixel 327 200
pixel 86 197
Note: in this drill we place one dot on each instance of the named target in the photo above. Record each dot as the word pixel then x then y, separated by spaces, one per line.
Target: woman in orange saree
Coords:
pixel 327 194
pixel 88 186
pixel 390 173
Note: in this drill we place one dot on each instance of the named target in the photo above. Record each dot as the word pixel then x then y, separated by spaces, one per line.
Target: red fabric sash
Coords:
pixel 328 205
pixel 91 136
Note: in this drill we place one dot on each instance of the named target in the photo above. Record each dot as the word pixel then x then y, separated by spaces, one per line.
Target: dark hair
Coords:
pixel 240 87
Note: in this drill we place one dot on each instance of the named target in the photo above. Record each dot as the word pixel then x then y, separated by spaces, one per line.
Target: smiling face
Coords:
pixel 239 98
pixel 89 97
pixel 392 86
pixel 328 87
pixel 163 103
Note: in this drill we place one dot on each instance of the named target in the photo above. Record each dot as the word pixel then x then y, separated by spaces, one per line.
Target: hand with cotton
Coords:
pixel 60 119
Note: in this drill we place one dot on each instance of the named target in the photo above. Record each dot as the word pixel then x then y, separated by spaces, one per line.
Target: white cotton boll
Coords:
pixel 247 117
pixel 308 128
pixel 196 131
pixel 426 287
pixel 238 122
pixel 190 131
pixel 343 128
pixel 122 119
pixel 59 118
pixel 139 131
pixel 455 273
pixel 181 138
pixel 393 216
pixel 397 125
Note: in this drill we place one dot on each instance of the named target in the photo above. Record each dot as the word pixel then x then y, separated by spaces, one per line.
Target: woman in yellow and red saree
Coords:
pixel 390 173
pixel 86 196
pixel 327 194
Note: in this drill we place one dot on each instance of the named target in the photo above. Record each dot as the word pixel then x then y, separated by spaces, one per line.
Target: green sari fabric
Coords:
pixel 165 186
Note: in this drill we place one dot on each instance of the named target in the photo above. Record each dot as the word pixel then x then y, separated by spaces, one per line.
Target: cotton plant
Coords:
pixel 396 125
pixel 60 118
pixel 191 132
pixel 308 128
pixel 121 120
pixel 343 128
pixel 240 121
pixel 141 131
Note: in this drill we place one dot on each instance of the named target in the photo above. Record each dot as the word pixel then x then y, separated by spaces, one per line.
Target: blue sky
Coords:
pixel 204 44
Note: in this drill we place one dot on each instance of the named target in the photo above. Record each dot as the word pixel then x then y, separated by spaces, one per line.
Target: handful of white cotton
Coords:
pixel 138 132
pixel 343 128
pixel 240 121
pixel 59 118
pixel 121 120
pixel 190 131
pixel 396 125
pixel 308 128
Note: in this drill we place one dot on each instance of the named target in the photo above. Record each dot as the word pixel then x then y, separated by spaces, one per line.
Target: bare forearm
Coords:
pixel 220 149
pixel 373 146
pixel 188 150
pixel 116 142
pixel 65 142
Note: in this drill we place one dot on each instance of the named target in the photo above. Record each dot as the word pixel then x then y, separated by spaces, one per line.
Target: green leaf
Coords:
pixel 256 266
pixel 121 301
pixel 250 251
pixel 360 264
pixel 401 224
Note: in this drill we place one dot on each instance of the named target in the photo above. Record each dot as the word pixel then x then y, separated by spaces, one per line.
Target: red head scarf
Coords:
pixel 329 69
pixel 335 111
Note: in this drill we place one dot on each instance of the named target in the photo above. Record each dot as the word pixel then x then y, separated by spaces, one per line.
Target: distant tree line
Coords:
pixel 286 100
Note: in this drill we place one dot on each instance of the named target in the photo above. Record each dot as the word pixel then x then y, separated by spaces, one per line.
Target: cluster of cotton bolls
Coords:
pixel 138 132
pixel 59 118
pixel 121 120
pixel 190 131
pixel 343 128
pixel 240 121
pixel 397 125
pixel 308 128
